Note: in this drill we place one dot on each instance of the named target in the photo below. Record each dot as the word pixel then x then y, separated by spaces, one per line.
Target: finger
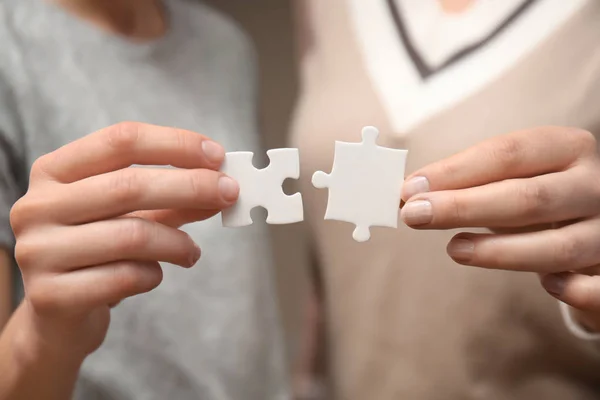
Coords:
pixel 121 16
pixel 113 14
pixel 520 154
pixel 67 248
pixel 510 203
pixel 175 218
pixel 135 189
pixel 87 288
pixel 571 247
pixel 122 145
pixel 578 290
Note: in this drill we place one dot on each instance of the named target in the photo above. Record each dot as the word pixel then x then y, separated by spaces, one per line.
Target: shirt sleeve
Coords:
pixel 13 173
pixel 13 170
pixel 12 166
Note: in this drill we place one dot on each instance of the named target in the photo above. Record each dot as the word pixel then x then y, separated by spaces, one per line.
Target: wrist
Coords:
pixel 31 366
pixel 33 342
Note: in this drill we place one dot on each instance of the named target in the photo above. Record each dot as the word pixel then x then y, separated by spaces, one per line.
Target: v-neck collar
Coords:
pixel 426 70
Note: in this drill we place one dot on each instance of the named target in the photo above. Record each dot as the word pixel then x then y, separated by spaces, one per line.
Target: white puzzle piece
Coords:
pixel 365 184
pixel 262 187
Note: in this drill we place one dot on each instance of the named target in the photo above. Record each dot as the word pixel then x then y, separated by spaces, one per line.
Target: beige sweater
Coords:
pixel 404 321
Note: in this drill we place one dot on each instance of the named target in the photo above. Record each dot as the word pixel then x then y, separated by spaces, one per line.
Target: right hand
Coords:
pixel 90 231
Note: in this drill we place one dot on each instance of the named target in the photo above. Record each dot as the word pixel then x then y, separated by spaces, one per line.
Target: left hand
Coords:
pixel 538 191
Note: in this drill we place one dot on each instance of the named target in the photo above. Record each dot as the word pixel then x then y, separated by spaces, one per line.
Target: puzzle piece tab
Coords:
pixel 263 187
pixel 365 184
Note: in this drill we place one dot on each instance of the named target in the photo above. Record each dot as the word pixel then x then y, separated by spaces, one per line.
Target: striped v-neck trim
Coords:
pixel 457 66
pixel 421 65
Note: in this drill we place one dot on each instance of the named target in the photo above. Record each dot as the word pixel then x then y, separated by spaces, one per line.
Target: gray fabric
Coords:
pixel 211 332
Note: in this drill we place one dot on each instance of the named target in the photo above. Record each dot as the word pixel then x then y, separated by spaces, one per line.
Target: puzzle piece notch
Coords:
pixel 365 184
pixel 263 187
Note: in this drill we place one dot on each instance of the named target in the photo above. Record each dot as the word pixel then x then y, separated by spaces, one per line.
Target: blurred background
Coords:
pixel 270 23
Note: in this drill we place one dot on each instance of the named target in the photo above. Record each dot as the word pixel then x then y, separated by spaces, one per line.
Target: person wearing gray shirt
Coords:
pixel 210 332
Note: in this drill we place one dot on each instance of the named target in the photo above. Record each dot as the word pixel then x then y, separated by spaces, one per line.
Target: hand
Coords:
pixel 90 231
pixel 539 193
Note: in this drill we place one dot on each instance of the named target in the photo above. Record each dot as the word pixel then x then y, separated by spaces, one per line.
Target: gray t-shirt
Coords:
pixel 211 332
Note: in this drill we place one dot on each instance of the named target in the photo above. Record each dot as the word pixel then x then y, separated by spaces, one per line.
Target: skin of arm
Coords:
pixel 28 367
pixel 32 368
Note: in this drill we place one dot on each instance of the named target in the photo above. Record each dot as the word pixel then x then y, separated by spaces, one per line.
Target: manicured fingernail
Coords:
pixel 195 255
pixel 554 284
pixel 417 212
pixel 229 188
pixel 461 249
pixel 414 186
pixel 213 151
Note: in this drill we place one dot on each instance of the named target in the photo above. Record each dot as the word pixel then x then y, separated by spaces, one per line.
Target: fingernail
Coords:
pixel 554 284
pixel 417 212
pixel 229 188
pixel 213 151
pixel 461 249
pixel 195 255
pixel 414 186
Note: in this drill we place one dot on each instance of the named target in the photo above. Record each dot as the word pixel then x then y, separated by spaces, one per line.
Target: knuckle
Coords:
pixel 123 136
pixel 125 186
pixel 448 168
pixel 587 179
pixel 535 198
pixel 18 214
pixel 456 210
pixel 27 210
pixel 507 152
pixel 125 277
pixel 132 278
pixel 39 167
pixel 135 234
pixel 568 251
pixel 182 138
pixel 198 186
pixel 584 141
pixel 41 295
pixel 26 252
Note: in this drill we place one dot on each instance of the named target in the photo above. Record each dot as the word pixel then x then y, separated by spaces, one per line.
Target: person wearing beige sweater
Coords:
pixel 498 106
